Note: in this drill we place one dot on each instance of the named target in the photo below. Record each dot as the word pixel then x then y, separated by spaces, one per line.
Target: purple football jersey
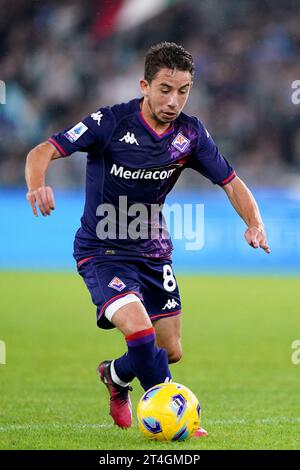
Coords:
pixel 128 165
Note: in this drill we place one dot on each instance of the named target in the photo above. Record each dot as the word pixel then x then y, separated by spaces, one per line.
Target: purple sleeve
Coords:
pixel 208 161
pixel 93 132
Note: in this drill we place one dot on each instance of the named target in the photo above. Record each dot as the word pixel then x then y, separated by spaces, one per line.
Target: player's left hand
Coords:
pixel 256 237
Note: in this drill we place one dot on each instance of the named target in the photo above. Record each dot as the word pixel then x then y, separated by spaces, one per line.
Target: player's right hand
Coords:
pixel 44 198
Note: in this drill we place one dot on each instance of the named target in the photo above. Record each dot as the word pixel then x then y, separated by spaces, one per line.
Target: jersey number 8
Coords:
pixel 169 279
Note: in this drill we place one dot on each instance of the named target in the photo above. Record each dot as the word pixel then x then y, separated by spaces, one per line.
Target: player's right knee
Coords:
pixel 128 314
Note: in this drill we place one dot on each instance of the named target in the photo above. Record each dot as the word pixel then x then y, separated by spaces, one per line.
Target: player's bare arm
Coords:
pixel 37 162
pixel 244 203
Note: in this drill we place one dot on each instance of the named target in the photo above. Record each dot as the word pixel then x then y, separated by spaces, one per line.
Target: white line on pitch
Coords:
pixel 268 420
pixel 81 426
pixel 49 426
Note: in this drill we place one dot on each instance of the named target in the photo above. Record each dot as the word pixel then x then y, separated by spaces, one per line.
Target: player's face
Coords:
pixel 167 94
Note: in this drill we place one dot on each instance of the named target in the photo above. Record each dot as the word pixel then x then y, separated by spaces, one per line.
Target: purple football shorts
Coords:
pixel 110 278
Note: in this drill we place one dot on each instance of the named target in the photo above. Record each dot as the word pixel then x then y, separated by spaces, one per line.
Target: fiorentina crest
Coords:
pixel 117 284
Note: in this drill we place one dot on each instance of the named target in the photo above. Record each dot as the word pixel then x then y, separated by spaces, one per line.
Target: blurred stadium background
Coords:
pixel 61 60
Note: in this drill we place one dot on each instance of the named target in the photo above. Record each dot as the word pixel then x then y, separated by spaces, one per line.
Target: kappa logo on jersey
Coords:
pixel 171 304
pixel 181 142
pixel 117 284
pixel 73 134
pixel 129 138
pixel 97 117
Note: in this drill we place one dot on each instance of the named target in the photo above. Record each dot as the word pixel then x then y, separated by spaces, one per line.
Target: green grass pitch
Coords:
pixel 237 337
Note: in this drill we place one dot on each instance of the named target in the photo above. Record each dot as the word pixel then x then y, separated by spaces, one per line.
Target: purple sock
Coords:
pixel 123 368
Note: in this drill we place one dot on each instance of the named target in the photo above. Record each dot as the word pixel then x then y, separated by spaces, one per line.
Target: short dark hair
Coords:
pixel 168 55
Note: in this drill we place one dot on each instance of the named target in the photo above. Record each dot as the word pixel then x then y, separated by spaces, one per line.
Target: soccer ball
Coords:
pixel 168 412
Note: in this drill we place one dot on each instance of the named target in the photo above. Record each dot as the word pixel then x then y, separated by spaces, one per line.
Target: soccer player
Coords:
pixel 135 154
